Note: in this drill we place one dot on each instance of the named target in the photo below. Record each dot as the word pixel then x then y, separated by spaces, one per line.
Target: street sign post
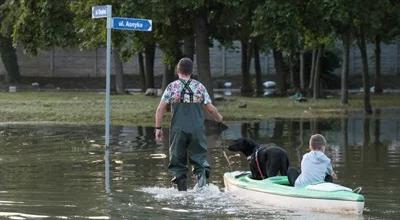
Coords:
pixel 132 24
pixel 105 11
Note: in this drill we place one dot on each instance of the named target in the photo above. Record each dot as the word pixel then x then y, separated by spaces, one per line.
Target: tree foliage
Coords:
pixel 40 24
pixel 7 51
pixel 289 28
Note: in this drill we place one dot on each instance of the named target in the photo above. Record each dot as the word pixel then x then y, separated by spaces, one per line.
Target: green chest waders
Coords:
pixel 187 137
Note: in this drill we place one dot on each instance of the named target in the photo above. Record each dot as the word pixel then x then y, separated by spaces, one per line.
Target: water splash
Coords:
pixel 209 199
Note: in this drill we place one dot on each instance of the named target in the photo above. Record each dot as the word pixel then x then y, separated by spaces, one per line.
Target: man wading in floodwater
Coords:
pixel 188 98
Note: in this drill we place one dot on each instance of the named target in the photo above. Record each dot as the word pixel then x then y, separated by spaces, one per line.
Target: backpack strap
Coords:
pixel 186 90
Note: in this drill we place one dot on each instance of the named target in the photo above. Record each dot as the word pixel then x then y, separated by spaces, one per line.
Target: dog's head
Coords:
pixel 244 145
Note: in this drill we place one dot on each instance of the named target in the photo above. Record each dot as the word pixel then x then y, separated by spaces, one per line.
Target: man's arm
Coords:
pixel 213 112
pixel 162 107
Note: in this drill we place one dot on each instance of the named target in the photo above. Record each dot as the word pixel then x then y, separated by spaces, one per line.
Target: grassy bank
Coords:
pixel 88 107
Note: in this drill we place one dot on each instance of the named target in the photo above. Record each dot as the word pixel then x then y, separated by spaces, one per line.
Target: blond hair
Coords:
pixel 317 142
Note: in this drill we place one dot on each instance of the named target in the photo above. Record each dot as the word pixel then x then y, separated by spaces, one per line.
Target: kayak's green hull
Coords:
pixel 275 191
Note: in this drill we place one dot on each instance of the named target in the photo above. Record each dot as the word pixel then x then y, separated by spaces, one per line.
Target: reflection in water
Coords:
pixel 52 170
pixel 107 170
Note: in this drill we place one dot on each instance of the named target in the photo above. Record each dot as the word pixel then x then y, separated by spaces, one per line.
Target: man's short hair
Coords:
pixel 185 66
pixel 317 142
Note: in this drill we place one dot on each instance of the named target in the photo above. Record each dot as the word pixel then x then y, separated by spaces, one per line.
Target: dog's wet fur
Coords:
pixel 273 160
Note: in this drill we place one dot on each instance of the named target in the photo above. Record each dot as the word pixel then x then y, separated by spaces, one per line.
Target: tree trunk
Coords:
pixel 345 69
pixel 280 71
pixel 172 53
pixel 168 75
pixel 292 70
pixel 141 72
pixel 312 71
pixel 257 67
pixel 188 46
pixel 302 83
pixel 149 51
pixel 378 84
pixel 119 75
pixel 202 50
pixel 317 77
pixel 363 50
pixel 246 88
pixel 10 60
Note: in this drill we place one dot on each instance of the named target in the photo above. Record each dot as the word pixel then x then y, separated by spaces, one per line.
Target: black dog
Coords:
pixel 265 161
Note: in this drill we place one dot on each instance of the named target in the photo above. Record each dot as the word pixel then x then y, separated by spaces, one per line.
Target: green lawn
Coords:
pixel 88 107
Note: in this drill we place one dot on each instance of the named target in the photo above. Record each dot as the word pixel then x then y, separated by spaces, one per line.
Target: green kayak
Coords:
pixel 275 191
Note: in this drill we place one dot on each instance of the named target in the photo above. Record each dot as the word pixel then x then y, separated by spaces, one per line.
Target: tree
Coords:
pixel 361 42
pixel 172 22
pixel 290 27
pixel 202 47
pixel 340 18
pixel 257 67
pixel 317 34
pixel 249 44
pixel 9 58
pixel 233 21
pixel 384 25
pixel 170 42
pixel 149 51
pixel 92 34
pixel 276 22
pixel 141 42
pixel 35 25
pixel 362 24
pixel 7 50
pixel 42 24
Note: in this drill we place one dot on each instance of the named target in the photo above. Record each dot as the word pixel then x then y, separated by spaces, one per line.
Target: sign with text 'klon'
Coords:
pixel 99 11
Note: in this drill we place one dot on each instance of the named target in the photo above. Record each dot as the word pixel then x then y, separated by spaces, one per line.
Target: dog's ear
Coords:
pixel 249 143
pixel 238 140
pixel 241 141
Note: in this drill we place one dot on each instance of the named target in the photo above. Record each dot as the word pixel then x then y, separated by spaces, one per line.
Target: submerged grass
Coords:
pixel 88 107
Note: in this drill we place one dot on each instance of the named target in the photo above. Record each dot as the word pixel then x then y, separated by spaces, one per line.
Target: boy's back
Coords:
pixel 315 165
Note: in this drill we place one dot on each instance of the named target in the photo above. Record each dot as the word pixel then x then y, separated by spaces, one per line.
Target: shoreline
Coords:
pixel 87 108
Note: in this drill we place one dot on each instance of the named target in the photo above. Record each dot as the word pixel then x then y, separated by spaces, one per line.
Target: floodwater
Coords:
pixel 63 171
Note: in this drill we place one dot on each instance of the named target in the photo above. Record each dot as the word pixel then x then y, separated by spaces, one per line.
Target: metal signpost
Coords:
pixel 132 24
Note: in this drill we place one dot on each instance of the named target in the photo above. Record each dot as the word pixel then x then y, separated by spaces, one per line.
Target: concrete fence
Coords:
pixel 224 62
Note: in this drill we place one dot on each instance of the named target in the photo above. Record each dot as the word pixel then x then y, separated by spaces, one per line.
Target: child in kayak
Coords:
pixel 316 167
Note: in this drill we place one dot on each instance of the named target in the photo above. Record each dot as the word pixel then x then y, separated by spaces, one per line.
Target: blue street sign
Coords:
pixel 99 11
pixel 132 24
